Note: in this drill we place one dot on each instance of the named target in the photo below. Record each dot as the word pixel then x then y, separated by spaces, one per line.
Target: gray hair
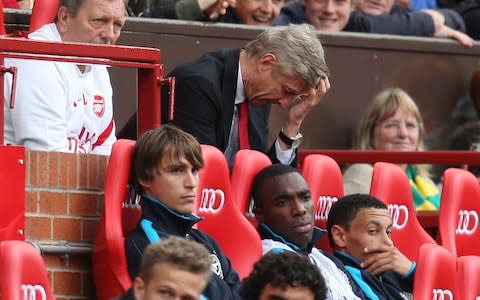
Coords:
pixel 73 6
pixel 298 51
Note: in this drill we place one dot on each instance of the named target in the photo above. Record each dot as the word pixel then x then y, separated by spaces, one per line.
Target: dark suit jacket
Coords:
pixel 204 102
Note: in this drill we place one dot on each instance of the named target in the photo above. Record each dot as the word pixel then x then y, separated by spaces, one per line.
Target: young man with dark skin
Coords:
pixel 359 228
pixel 284 209
pixel 284 276
pixel 166 162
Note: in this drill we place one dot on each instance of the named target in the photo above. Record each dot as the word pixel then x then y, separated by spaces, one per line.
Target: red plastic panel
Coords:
pixel 12 185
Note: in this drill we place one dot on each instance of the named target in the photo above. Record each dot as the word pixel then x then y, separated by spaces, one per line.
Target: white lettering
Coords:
pixel 30 292
pixel 399 214
pixel 212 201
pixel 467 222
pixel 439 294
pixel 324 204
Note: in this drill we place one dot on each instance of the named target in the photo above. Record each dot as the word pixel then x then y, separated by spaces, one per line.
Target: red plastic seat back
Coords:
pixel 459 219
pixel 119 217
pixel 246 165
pixel 325 180
pixel 43 12
pixel 390 184
pixel 23 274
pixel 236 236
pixel 468 277
pixel 435 274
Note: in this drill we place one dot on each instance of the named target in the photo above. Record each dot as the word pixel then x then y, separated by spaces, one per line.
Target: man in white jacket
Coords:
pixel 63 106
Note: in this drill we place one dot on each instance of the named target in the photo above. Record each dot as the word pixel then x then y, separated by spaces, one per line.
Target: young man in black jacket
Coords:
pixel 166 162
pixel 284 209
pixel 359 228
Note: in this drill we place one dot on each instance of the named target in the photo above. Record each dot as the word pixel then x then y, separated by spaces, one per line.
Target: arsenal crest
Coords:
pixel 98 105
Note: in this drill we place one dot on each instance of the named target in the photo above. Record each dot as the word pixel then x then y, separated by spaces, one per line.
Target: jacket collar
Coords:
pixel 167 219
pixel 267 233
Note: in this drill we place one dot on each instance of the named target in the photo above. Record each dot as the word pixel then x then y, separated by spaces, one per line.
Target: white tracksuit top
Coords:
pixel 57 107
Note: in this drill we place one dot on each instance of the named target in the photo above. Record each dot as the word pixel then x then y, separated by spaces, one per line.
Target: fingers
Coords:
pixel 462 38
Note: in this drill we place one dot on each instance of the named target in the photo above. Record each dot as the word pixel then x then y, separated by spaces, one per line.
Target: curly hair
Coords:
pixel 283 270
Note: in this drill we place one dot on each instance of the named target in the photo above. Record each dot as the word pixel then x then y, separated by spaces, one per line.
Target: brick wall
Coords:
pixel 64 199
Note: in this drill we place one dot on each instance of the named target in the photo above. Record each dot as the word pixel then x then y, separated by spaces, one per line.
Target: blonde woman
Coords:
pixel 392 122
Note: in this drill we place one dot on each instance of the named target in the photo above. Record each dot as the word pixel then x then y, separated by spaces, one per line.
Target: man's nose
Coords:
pixel 329 6
pixel 109 35
pixel 284 102
pixel 267 6
pixel 298 207
pixel 191 179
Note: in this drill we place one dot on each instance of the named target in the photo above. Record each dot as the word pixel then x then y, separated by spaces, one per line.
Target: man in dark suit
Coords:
pixel 283 65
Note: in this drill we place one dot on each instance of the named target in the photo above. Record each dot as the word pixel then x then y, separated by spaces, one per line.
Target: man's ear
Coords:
pixel 138 288
pixel 258 214
pixel 62 19
pixel 338 235
pixel 145 184
pixel 266 62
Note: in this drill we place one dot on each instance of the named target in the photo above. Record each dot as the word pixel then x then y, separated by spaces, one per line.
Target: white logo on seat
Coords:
pixel 439 294
pixel 467 222
pixel 30 292
pixel 212 200
pixel 399 214
pixel 324 204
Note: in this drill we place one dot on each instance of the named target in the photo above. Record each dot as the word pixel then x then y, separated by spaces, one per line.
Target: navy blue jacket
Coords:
pixel 166 222
pixel 387 286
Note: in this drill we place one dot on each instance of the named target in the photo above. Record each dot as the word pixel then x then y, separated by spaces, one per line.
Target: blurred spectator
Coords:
pixel 333 15
pixel 250 12
pixel 392 122
pixel 166 162
pixel 469 10
pixel 64 106
pixel 173 268
pixel 388 7
pixel 223 98
pixel 359 228
pixel 284 210
pixel 464 138
pixel 285 275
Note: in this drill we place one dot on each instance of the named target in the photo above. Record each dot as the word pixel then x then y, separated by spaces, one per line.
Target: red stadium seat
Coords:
pixel 121 213
pixel 324 178
pixel 246 165
pixel 459 213
pixel 390 184
pixel 43 12
pixel 223 220
pixel 468 277
pixel 23 274
pixel 435 274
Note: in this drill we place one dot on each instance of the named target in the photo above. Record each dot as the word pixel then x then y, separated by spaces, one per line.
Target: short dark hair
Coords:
pixel 346 208
pixel 165 141
pixel 180 253
pixel 267 173
pixel 284 269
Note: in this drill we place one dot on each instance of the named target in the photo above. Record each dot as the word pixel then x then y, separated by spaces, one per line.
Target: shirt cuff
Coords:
pixel 411 270
pixel 284 156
